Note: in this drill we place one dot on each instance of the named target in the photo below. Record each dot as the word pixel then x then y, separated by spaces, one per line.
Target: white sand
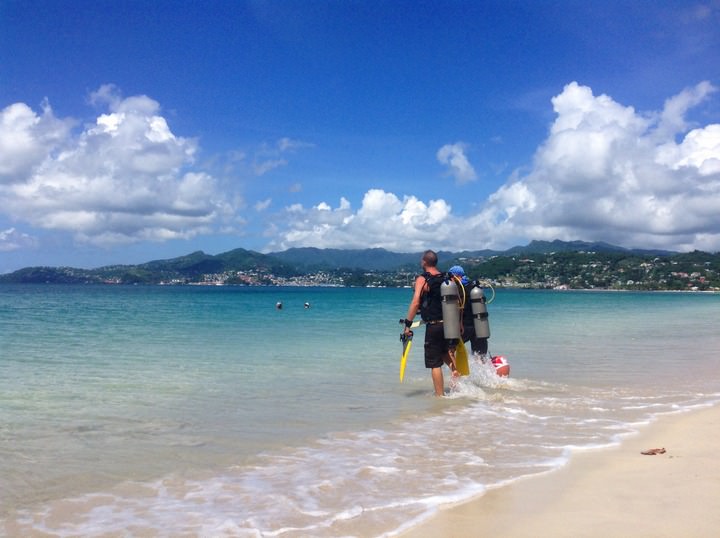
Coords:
pixel 608 493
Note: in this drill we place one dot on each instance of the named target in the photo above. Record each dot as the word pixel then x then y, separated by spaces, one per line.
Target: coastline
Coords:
pixel 607 492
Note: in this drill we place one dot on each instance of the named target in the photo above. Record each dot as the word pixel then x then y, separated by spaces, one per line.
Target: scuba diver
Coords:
pixel 428 299
pixel 476 327
pixel 478 344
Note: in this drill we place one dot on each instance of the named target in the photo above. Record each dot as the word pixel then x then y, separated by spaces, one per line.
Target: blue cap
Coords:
pixel 459 272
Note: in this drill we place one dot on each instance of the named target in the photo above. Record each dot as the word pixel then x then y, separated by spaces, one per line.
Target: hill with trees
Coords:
pixel 540 264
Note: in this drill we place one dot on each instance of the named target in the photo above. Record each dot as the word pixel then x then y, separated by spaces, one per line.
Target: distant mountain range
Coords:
pixel 378 259
pixel 546 247
pixel 293 262
pixel 191 267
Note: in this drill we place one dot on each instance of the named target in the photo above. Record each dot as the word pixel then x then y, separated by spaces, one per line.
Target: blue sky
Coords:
pixel 134 130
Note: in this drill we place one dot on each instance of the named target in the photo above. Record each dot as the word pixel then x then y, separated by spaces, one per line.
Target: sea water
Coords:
pixel 207 411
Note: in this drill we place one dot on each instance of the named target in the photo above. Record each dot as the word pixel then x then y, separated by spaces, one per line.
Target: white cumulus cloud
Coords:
pixel 605 172
pixel 124 178
pixel 26 138
pixel 383 220
pixel 608 172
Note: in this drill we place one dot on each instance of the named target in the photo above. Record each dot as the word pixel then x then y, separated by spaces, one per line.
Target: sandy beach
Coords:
pixel 613 492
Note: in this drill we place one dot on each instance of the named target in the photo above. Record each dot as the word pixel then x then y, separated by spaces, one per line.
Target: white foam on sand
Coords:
pixel 379 479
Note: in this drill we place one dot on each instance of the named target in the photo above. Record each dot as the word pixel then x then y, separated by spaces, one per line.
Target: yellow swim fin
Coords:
pixel 461 359
pixel 407 344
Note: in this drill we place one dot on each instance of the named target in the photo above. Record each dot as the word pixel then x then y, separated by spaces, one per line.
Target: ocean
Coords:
pixel 206 411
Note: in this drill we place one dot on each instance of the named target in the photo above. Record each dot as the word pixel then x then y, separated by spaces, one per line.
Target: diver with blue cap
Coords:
pixel 475 324
pixel 478 343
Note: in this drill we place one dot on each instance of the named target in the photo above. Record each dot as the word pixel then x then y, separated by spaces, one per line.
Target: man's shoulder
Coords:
pixel 429 278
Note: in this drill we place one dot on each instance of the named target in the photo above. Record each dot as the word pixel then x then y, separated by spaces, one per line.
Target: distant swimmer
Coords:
pixel 279 305
pixel 307 305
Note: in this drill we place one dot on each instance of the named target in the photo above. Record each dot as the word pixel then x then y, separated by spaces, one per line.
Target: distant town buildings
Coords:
pixel 696 271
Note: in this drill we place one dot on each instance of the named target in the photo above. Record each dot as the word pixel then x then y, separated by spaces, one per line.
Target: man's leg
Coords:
pixel 438 382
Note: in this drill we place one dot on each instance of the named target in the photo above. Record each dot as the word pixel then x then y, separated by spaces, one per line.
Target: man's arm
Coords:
pixel 420 285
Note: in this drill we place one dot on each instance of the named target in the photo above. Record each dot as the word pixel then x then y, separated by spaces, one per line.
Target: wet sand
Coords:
pixel 608 492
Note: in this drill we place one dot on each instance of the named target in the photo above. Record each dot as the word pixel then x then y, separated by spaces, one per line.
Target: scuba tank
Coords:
pixel 479 311
pixel 450 310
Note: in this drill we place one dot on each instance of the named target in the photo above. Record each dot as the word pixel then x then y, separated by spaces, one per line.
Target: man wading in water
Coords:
pixel 428 301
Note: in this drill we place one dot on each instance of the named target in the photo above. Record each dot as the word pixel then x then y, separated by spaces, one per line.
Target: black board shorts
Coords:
pixel 436 347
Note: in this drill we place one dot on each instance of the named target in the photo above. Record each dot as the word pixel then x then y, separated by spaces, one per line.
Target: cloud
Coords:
pixel 262 167
pixel 607 172
pixel 672 117
pixel 699 151
pixel 604 172
pixel 270 157
pixel 453 156
pixel 286 144
pixel 26 139
pixel 382 220
pixel 11 239
pixel 124 178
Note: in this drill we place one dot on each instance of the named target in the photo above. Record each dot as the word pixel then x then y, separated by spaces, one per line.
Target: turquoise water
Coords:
pixel 205 410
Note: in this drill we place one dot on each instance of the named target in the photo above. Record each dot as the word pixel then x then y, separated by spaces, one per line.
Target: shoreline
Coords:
pixel 607 492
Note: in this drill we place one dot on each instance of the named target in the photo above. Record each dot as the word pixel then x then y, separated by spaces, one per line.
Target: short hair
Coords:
pixel 430 258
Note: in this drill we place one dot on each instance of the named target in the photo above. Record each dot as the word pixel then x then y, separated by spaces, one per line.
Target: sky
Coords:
pixel 133 131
